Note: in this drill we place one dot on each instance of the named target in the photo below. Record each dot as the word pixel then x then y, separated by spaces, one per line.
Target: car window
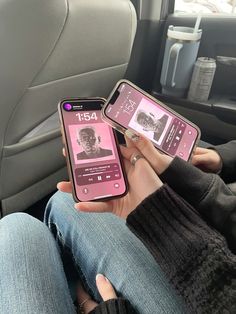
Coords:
pixel 206 7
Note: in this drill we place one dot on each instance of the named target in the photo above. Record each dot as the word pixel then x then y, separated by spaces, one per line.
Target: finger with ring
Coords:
pixel 135 158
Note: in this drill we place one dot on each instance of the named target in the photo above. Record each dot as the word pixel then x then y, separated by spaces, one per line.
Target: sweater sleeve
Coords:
pixel 208 194
pixel 227 153
pixel 193 256
pixel 114 306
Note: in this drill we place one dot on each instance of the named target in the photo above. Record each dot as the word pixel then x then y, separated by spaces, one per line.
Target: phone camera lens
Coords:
pixel 67 106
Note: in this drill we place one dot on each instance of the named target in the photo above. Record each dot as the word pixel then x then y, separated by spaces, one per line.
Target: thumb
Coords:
pixel 64 186
pixel 105 288
pixel 200 159
pixel 201 151
pixel 98 207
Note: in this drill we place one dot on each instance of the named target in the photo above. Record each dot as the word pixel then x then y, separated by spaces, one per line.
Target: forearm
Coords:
pixel 188 251
pixel 207 193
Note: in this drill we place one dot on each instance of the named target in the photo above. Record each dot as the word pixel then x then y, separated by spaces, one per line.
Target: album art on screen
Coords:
pixel 94 136
pixel 150 121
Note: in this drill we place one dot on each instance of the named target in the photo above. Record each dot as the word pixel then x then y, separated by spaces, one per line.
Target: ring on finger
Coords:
pixel 135 158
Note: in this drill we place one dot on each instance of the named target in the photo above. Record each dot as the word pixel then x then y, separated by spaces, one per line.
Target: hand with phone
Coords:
pixel 129 107
pixel 93 158
pixel 158 161
pixel 142 180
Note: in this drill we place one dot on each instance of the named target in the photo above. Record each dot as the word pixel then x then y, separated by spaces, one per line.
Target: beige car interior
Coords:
pixel 51 50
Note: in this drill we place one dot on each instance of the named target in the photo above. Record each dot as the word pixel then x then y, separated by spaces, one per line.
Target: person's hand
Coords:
pixel 159 162
pixel 207 160
pixel 142 179
pixel 107 292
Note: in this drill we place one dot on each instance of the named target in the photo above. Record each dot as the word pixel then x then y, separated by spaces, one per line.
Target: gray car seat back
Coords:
pixel 50 50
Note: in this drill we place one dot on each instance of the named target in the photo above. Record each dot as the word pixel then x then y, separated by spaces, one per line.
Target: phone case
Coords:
pixel 68 157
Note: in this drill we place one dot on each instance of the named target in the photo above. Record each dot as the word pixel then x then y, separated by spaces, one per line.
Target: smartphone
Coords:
pixel 92 153
pixel 129 107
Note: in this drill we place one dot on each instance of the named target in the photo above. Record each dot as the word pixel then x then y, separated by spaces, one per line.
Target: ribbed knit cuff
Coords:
pixel 193 256
pixel 166 222
pixel 114 306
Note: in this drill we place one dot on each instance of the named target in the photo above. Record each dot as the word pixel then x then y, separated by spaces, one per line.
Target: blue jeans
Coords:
pixel 102 243
pixel 32 279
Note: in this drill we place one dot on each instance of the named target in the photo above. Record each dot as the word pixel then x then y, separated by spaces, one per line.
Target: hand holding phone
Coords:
pixel 93 156
pixel 140 188
pixel 129 107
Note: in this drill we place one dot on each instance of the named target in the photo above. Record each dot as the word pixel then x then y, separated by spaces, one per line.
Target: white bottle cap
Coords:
pixel 184 33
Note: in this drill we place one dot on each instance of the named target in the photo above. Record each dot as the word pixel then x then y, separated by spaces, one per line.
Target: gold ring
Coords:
pixel 135 158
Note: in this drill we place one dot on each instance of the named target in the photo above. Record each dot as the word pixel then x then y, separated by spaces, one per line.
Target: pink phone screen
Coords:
pixel 168 132
pixel 94 158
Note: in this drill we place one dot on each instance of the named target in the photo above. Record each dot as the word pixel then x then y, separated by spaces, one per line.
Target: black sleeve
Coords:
pixel 114 306
pixel 207 193
pixel 194 257
pixel 227 153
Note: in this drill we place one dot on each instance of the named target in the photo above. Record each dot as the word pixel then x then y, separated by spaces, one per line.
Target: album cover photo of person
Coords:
pixel 91 143
pixel 151 121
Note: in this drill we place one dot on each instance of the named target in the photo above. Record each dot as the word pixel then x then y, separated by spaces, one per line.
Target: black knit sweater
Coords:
pixel 194 257
pixel 185 241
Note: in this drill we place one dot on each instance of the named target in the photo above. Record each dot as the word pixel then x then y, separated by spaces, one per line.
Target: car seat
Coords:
pixel 50 50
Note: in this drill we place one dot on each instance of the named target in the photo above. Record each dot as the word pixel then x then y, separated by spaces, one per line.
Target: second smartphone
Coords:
pixel 129 107
pixel 92 153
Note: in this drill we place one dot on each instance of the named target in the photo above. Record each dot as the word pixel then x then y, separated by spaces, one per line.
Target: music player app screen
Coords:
pixel 93 154
pixel 168 132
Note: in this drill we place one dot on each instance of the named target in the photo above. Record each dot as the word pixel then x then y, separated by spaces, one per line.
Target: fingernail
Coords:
pixel 76 206
pixel 101 278
pixel 131 135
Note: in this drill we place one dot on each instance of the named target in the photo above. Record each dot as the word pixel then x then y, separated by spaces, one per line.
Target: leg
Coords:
pixel 32 279
pixel 102 243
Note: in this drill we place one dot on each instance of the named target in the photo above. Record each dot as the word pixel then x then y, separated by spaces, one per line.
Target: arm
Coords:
pixel 207 193
pixel 204 191
pixel 194 257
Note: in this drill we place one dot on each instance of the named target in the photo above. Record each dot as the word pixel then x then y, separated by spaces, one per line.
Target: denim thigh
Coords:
pixel 32 278
pixel 102 243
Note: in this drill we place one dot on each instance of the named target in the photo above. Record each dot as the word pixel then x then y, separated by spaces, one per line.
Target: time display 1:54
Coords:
pixel 87 116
